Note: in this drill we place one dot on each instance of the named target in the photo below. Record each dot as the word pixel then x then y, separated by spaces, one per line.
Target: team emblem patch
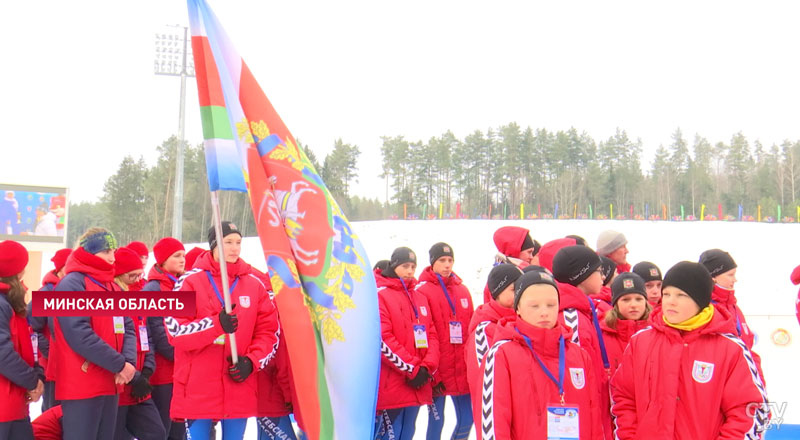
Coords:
pixel 446 249
pixel 464 303
pixel 423 310
pixel 244 301
pixel 654 272
pixel 702 371
pixel 412 257
pixel 578 378
pixel 627 283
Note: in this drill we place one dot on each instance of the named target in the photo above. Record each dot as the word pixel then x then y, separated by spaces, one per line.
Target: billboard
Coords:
pixel 33 213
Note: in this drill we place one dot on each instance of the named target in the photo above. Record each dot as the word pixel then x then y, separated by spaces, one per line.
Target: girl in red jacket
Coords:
pixel 536 384
pixel 629 315
pixel 409 345
pixel 137 415
pixel 170 260
pixel 207 385
pixel 451 308
pixel 651 275
pixel 690 376
pixel 21 381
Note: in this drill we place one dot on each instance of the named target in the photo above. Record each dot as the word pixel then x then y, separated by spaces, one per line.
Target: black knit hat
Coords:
pixel 536 248
pixel 533 267
pixel 692 278
pixel 400 256
pixel 717 261
pixel 440 250
pixel 529 279
pixel 502 276
pixel 573 264
pixel 648 271
pixel 228 228
pixel 625 283
pixel 382 265
pixel 578 239
pixel 607 266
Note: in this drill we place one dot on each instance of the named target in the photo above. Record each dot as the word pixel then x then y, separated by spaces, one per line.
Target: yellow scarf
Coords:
pixel 695 322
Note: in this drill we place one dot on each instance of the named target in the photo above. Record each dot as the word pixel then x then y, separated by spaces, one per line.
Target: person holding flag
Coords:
pixel 208 384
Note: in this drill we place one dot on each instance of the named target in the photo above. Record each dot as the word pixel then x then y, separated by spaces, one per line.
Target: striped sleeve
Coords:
pixel 744 398
pixel 191 333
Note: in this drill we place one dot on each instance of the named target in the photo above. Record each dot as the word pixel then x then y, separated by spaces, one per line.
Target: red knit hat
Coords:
pixel 126 261
pixel 138 247
pixel 13 258
pixel 60 258
pixel 165 248
pixel 191 257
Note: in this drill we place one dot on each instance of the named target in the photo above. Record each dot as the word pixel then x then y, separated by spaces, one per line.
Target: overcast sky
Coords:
pixel 79 92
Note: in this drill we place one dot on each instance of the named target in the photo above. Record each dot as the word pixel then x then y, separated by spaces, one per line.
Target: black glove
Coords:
pixel 438 389
pixel 140 387
pixel 147 372
pixel 420 379
pixel 241 370
pixel 228 322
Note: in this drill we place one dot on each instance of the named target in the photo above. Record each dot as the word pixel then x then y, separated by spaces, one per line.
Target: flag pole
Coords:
pixel 223 270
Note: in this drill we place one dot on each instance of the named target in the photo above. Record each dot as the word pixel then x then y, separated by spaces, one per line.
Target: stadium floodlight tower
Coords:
pixel 174 58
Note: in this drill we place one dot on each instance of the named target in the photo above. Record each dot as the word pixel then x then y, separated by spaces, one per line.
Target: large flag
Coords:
pixel 323 283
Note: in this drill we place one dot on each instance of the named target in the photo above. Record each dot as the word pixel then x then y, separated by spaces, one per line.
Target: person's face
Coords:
pixel 232 244
pixel 506 297
pixel 593 284
pixel 653 290
pixel 632 306
pixel 620 256
pixel 526 255
pixel 406 270
pixel 677 305
pixel 176 263
pixel 132 277
pixel 107 256
pixel 144 260
pixel 727 279
pixel 538 306
pixel 443 266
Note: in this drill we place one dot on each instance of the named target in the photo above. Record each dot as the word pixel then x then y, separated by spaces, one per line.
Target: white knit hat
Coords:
pixel 609 241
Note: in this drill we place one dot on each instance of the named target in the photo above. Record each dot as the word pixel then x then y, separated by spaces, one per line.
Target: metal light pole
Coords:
pixel 169 51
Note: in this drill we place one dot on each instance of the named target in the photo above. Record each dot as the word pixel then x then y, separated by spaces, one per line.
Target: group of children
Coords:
pixel 570 343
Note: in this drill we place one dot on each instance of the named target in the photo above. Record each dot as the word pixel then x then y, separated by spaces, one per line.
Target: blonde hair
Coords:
pixel 89 232
pixel 614 315
pixel 122 284
pixel 16 294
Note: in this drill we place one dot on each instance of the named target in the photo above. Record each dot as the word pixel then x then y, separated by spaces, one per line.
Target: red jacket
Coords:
pixel 516 392
pixel 602 300
pixel 401 359
pixel 203 389
pixel 700 384
pixel 275 385
pixel 452 369
pixel 616 339
pixel 576 312
pixel 164 353
pixel 86 351
pixel 48 425
pixel 17 374
pixel 622 268
pixel 724 298
pixel 550 249
pixel 481 338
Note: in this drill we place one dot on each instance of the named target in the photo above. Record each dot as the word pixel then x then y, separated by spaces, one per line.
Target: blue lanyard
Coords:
pixel 446 294
pixel 561 363
pixel 174 280
pixel 98 283
pixel 599 335
pixel 413 305
pixel 216 290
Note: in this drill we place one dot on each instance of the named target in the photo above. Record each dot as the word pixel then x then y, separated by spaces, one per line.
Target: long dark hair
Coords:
pixel 16 294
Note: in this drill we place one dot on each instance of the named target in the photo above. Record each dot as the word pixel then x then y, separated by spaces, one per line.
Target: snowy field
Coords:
pixel 765 254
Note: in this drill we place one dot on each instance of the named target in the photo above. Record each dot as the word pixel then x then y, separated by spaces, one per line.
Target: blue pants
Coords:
pixel 90 419
pixel 16 430
pixel 141 421
pixel 199 429
pixel 463 406
pixel 275 428
pixel 162 397
pixel 397 424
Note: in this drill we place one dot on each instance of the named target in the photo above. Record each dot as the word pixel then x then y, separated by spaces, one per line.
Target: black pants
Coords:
pixel 162 397
pixel 16 430
pixel 90 419
pixel 141 421
pixel 49 396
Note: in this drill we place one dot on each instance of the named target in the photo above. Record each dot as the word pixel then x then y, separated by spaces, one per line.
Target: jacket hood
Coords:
pixel 723 296
pixel 491 311
pixel 84 262
pixel 570 297
pixel 206 262
pixel 430 276
pixel 544 340
pixel 50 278
pixel 509 239
pixel 625 328
pixel 395 283
pixel 721 322
pixel 550 249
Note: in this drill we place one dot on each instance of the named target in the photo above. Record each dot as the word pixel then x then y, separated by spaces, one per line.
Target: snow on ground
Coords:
pixel 765 254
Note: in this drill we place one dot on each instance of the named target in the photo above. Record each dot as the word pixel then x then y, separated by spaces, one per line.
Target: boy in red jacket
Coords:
pixel 536 384
pixel 689 377
pixel 451 308
pixel 653 280
pixel 409 345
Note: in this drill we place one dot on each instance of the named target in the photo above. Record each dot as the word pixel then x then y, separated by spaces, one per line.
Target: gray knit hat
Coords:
pixel 609 241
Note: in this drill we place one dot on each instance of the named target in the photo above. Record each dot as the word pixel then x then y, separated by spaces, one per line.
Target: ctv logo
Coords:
pixel 776 409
